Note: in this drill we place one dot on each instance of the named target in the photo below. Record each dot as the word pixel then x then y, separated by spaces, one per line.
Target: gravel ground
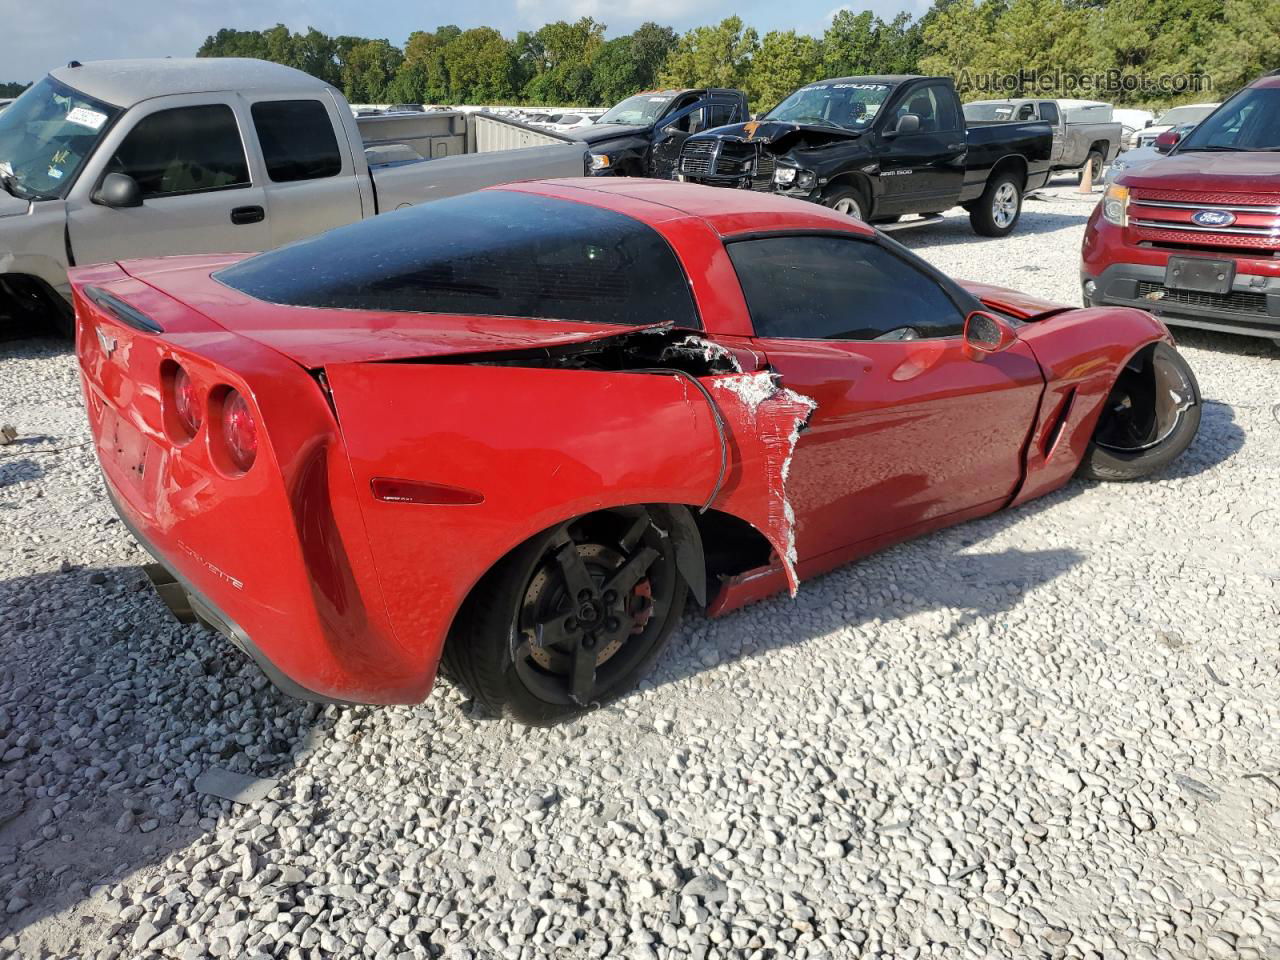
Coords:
pixel 1053 732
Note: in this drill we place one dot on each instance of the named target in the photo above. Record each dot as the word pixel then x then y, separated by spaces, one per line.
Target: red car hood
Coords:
pixel 1254 172
pixel 1013 302
pixel 316 338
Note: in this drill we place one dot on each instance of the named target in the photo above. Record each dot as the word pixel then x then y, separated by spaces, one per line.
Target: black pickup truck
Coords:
pixel 642 135
pixel 878 148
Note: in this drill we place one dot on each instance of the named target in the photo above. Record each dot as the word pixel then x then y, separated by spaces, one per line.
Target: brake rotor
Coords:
pixel 601 562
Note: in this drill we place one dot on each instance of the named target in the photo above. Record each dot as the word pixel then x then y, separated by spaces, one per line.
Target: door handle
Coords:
pixel 242 215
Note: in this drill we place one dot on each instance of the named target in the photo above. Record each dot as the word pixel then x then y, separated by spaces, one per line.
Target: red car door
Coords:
pixel 908 428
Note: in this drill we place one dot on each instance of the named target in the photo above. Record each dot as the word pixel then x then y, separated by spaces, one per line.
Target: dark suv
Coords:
pixel 642 135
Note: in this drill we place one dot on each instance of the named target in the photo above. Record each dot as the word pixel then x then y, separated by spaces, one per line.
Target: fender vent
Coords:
pixel 1059 421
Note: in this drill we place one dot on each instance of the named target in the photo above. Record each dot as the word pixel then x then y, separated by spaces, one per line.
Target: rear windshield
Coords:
pixel 493 253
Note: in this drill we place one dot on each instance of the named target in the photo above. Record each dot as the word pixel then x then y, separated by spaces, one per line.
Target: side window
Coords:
pixel 948 109
pixel 184 150
pixel 1049 111
pixel 832 288
pixel 1026 112
pixel 297 140
pixel 691 122
pixel 723 113
pixel 935 106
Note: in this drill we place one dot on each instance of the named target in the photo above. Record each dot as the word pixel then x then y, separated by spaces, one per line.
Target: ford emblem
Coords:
pixel 1213 218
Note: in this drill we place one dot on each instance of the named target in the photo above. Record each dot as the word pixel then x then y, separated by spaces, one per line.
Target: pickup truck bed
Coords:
pixel 466 151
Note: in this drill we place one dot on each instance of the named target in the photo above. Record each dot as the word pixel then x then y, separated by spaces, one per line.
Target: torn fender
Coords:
pixel 540 445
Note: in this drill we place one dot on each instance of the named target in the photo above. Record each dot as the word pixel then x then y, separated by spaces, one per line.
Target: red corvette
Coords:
pixel 515 430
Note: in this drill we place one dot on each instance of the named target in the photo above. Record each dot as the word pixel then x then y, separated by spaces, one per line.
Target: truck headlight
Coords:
pixel 784 176
pixel 1115 205
pixel 600 161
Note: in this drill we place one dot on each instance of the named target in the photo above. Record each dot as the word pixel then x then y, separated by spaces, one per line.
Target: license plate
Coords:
pixel 1200 274
pixel 128 450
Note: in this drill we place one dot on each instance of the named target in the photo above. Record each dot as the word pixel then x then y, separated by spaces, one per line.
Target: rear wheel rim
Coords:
pixel 1147 405
pixel 594 606
pixel 1004 205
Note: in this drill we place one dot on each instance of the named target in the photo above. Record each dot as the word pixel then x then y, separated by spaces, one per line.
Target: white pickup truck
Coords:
pixel 141 158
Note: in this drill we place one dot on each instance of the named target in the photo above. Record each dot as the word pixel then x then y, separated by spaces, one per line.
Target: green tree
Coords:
pixel 1245 45
pixel 555 62
pixel 630 63
pixel 718 56
pixel 12 89
pixel 368 69
pixel 423 77
pixel 480 64
pixel 784 61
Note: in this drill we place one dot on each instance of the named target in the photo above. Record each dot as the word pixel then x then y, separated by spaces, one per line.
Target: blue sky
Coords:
pixel 40 35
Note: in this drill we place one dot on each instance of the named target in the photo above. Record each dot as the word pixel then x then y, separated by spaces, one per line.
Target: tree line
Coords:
pixel 1228 41
pixel 562 63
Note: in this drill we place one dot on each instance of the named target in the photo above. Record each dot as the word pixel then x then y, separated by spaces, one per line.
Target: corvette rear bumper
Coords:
pixel 188 604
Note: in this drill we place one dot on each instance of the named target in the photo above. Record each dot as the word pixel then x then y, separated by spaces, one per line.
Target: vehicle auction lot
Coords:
pixel 1055 731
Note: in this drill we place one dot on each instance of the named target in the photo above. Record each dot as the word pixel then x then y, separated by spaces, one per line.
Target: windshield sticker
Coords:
pixel 87 118
pixel 859 86
pixel 657 99
pixel 55 173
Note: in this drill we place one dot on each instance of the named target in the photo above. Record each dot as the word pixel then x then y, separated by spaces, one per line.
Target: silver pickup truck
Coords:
pixel 1083 130
pixel 140 158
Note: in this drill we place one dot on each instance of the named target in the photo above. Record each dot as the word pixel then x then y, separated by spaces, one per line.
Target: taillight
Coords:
pixel 186 402
pixel 239 430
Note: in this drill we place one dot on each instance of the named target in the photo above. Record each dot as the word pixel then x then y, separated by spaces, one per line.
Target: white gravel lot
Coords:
pixel 1051 733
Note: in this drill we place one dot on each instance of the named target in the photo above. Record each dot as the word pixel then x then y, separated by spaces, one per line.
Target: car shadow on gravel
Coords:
pixel 1040 218
pixel 15 469
pixel 979 584
pixel 109 710
pixel 1228 343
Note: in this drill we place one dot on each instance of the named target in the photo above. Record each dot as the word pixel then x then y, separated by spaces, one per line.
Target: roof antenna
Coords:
pixel 73 64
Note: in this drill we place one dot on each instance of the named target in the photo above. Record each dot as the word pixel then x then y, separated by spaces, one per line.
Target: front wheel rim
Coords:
pixel 1004 205
pixel 1147 405
pixel 849 207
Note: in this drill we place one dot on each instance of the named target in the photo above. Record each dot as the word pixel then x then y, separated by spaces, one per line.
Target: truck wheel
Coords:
pixel 996 212
pixel 1095 160
pixel 28 308
pixel 570 620
pixel 1149 419
pixel 847 200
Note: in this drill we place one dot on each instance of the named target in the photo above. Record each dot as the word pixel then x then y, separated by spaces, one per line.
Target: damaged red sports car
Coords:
pixel 511 433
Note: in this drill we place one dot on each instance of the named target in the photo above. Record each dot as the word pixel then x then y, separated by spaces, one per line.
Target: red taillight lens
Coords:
pixel 239 430
pixel 186 402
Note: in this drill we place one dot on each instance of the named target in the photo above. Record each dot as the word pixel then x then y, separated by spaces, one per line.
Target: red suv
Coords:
pixel 1195 237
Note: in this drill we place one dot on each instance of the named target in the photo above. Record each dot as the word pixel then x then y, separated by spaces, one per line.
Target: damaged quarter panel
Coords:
pixel 592 439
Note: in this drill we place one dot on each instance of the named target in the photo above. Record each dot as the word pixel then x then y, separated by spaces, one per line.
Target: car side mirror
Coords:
pixel 986 333
pixel 1167 141
pixel 118 190
pixel 907 123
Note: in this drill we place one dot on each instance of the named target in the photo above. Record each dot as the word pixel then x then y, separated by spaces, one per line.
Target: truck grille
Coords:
pixel 696 157
pixel 1165 216
pixel 1238 301
pixel 727 162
